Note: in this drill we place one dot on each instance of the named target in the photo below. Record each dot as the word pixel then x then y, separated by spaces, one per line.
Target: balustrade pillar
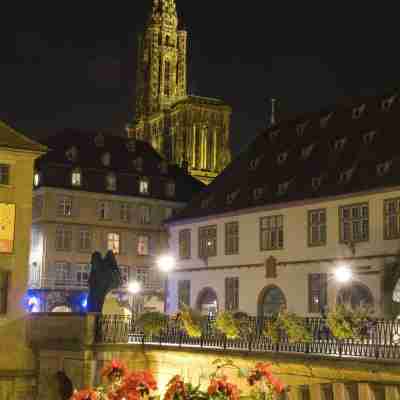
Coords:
pixel 316 392
pixel 339 391
pixel 365 392
pixel 295 393
pixel 392 393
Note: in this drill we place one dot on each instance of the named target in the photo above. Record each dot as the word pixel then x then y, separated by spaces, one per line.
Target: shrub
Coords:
pixel 152 323
pixel 190 321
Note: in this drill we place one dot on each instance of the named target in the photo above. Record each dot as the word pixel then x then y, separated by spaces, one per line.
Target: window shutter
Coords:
pixel 4 279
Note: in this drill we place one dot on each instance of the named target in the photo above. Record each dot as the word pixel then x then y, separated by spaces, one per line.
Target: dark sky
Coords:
pixel 72 64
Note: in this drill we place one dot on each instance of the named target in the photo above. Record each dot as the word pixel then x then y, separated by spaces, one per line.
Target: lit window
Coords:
pixel 4 174
pixel 64 207
pixel 369 137
pixel 358 111
pixel 143 246
pixel 354 223
pixel 170 189
pixel 144 214
pixel 271 233
pixel 232 238
pixel 207 241
pixel 323 122
pixel 317 292
pixel 76 178
pixel 383 168
pixel 104 210
pixel 36 179
pixel 144 186
pixel 111 182
pixel 63 273
pixel 114 242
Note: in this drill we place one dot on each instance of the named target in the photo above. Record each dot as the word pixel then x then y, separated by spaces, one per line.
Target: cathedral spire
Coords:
pixel 164 11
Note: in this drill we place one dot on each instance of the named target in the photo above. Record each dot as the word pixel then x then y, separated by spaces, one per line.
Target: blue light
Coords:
pixel 33 304
pixel 84 302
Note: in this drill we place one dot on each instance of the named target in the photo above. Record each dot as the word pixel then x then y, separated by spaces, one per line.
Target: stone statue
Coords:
pixel 104 277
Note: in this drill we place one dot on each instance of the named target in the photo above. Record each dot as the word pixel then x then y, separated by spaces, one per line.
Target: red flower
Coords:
pixel 88 394
pixel 175 386
pixel 114 370
pixel 279 387
pixel 226 388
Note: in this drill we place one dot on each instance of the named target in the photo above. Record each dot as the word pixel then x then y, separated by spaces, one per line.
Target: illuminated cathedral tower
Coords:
pixel 185 129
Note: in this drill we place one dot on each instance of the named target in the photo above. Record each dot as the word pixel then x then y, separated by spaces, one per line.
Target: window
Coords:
pixel 64 207
pixel 232 294
pixel 258 193
pixel 114 242
pixel 317 228
pixel 99 140
pixel 37 206
pixel 36 179
pixel 138 163
pixel 111 182
pixel 144 186
pixel 167 77
pixel 144 214
pixel 272 300
pixel 35 240
pixel 271 233
pixel 106 159
pixel 184 244
pixel 72 154
pixel 170 189
pixel 355 295
pixel 105 208
pixel 4 174
pixel 85 240
pixel 207 241
pixel 63 239
pixel 143 276
pixel 124 274
pixel 253 165
pixel 163 164
pixel 183 293
pixel 143 248
pixel 131 145
pixel 168 212
pixel 392 219
pixel 82 273
pixel 317 292
pixel 4 279
pixel 316 182
pixel 283 188
pixel 354 223
pixel 124 212
pixel 271 268
pixel 63 273
pixel 232 238
pixel 76 178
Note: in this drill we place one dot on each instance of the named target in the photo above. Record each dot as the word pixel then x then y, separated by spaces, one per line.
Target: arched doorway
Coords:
pixel 355 295
pixel 207 301
pixel 271 301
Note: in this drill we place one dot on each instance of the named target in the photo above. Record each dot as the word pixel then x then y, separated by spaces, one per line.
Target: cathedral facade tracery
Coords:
pixel 182 128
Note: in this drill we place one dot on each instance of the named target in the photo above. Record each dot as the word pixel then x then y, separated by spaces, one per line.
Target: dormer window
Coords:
pixel 306 151
pixel 258 193
pixel 323 122
pixel 106 159
pixel 358 111
pixel 273 135
pixel 345 176
pixel 76 178
pixel 170 189
pixel 231 197
pixel 164 167
pixel 111 182
pixel 36 179
pixel 283 188
pixel 388 103
pixel 340 143
pixel 383 168
pixel 131 145
pixel 72 154
pixel 138 164
pixel 316 182
pixel 253 165
pixel 282 158
pixel 369 137
pixel 144 186
pixel 99 140
pixel 300 128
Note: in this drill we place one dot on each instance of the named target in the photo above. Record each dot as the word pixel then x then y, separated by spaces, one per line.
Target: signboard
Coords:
pixel 7 227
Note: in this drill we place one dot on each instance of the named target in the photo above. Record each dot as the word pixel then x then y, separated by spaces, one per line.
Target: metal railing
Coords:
pixel 382 340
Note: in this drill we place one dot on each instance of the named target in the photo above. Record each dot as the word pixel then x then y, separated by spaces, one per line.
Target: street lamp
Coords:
pixel 343 274
pixel 166 263
pixel 134 288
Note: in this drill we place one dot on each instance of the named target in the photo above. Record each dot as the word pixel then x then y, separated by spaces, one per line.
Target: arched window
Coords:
pixel 76 178
pixel 271 301
pixel 207 301
pixel 355 295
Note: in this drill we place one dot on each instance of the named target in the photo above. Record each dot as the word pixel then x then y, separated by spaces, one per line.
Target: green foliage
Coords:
pixel 152 323
pixel 226 324
pixel 289 323
pixel 190 321
pixel 345 323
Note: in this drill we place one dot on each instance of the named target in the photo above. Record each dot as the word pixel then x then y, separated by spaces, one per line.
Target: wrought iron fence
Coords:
pixel 381 341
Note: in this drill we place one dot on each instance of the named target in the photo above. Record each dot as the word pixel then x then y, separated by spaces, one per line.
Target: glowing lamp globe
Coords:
pixel 343 274
pixel 134 287
pixel 166 263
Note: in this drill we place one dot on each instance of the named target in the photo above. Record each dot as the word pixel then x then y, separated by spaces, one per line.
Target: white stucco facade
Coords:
pixel 295 261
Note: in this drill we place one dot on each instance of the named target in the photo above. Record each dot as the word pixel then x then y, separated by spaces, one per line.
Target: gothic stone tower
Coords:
pixel 186 130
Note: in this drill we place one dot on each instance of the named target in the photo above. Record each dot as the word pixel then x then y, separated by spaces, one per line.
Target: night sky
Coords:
pixel 72 64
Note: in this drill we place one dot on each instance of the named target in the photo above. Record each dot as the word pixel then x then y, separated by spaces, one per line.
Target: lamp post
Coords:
pixel 165 264
pixel 343 274
pixel 134 288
